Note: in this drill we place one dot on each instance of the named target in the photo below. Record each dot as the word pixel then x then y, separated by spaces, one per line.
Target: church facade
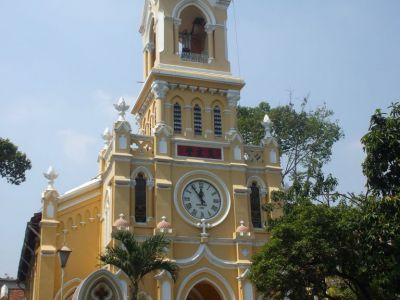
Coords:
pixel 186 174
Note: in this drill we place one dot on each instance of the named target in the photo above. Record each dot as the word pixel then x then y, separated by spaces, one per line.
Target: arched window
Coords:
pixel 193 43
pixel 177 118
pixel 197 120
pixel 217 121
pixel 140 199
pixel 255 205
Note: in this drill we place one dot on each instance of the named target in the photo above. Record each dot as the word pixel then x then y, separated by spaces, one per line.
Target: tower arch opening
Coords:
pixel 193 38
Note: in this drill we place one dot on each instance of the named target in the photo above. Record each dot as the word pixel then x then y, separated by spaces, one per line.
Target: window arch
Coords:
pixel 217 121
pixel 197 120
pixel 193 38
pixel 177 118
pixel 140 198
pixel 255 205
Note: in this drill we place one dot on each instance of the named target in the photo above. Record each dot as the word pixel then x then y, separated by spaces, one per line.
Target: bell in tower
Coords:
pixel 188 33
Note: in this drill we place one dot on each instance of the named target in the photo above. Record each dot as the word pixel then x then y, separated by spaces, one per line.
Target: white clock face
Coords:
pixel 201 199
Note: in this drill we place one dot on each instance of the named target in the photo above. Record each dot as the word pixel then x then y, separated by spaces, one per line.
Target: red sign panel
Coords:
pixel 200 152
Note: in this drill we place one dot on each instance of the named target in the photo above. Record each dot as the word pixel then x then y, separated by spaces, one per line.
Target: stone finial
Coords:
pixel 4 292
pixel 121 107
pixel 107 137
pixel 242 229
pixel 164 225
pixel 121 223
pixel 267 124
pixel 51 176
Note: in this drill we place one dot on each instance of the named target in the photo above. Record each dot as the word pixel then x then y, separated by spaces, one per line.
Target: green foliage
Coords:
pixel 249 122
pixel 339 252
pixel 305 137
pixel 382 146
pixel 13 163
pixel 347 251
pixel 138 259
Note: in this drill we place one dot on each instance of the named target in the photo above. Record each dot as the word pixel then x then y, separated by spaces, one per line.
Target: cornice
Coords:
pixel 164 71
pixel 79 190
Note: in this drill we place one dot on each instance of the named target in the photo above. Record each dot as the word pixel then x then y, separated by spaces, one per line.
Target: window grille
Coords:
pixel 177 118
pixel 140 199
pixel 217 121
pixel 255 206
pixel 197 120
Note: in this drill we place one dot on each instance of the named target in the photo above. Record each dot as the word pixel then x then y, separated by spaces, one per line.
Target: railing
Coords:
pixel 194 57
pixel 253 154
pixel 142 145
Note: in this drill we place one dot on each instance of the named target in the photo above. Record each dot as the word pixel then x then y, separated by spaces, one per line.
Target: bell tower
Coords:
pixel 189 91
pixel 185 33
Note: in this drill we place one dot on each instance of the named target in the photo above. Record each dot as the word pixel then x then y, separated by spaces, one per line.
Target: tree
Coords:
pixel 13 163
pixel 318 250
pixel 347 251
pixel 138 259
pixel 382 146
pixel 305 137
pixel 301 259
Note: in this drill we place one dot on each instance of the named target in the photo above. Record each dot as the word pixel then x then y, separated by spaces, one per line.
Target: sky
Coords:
pixel 64 63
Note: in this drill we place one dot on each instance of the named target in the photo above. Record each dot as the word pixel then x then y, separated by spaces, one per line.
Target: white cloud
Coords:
pixel 77 146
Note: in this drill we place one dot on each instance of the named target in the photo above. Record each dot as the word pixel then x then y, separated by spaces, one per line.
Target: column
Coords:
pixel 47 252
pixel 247 291
pixel 164 285
pixel 149 200
pixel 208 122
pixel 149 50
pixel 177 24
pixel 145 68
pixel 160 89
pixel 210 38
pixel 188 120
pixel 233 97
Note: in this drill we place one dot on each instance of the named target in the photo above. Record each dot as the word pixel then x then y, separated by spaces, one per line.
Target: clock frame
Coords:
pixel 201 199
pixel 208 178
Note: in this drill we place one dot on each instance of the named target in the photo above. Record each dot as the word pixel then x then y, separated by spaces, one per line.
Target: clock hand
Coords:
pixel 197 193
pixel 201 195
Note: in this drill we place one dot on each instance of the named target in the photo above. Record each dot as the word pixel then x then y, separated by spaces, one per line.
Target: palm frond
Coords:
pixel 138 259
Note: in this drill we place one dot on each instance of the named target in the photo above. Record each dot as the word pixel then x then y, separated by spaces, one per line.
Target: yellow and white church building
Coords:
pixel 186 174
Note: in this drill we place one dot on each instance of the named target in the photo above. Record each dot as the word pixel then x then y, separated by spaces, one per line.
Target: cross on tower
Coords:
pixel 203 225
pixel 102 292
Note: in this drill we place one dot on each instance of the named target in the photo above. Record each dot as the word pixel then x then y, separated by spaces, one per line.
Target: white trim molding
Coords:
pixel 180 6
pixel 83 188
pixel 204 251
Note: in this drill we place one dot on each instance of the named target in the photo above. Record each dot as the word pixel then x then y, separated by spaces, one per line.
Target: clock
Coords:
pixel 201 199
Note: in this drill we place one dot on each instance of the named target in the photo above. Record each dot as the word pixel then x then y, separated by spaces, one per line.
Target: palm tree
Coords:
pixel 138 259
